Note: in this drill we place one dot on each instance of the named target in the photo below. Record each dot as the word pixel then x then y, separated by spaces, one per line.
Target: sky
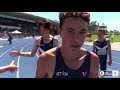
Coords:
pixel 110 19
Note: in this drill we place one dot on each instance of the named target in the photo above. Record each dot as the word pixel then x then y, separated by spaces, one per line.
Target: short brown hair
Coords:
pixel 46 23
pixel 63 15
pixel 102 29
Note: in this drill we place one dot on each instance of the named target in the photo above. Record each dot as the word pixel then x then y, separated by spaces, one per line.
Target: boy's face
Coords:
pixel 73 32
pixel 101 33
pixel 43 31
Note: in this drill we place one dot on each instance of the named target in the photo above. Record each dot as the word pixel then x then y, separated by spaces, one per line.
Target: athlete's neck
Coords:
pixel 46 38
pixel 101 39
pixel 70 54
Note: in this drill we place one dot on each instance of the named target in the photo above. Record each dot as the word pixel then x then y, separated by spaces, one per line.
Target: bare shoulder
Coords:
pixel 108 40
pixel 51 52
pixel 46 60
pixel 94 40
pixel 94 57
pixel 48 56
pixel 37 40
pixel 46 64
pixel 94 65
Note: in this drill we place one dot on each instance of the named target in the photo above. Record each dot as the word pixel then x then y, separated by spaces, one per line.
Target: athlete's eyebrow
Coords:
pixel 69 28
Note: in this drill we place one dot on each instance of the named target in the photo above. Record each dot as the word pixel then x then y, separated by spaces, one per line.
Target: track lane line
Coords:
pixel 17 75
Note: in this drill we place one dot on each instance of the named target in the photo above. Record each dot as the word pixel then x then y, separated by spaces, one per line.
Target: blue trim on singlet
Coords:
pixel 63 71
pixel 45 46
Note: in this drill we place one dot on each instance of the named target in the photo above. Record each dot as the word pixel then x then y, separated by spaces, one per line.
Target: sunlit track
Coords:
pixel 19 60
pixel 110 69
pixel 7 51
pixel 116 57
pixel 115 62
pixel 27 65
pixel 6 59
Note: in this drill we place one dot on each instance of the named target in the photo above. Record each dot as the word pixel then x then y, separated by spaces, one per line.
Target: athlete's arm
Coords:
pixel 109 52
pixel 28 54
pixel 11 67
pixel 94 66
pixel 94 45
pixel 41 71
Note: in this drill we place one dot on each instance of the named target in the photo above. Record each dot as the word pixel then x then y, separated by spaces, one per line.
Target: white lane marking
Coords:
pixel 116 57
pixel 12 62
pixel 7 50
pixel 37 55
pixel 19 60
pixel 115 62
pixel 1 46
pixel 109 69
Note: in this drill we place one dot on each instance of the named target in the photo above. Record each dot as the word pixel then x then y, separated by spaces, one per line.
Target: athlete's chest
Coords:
pixel 73 64
pixel 101 44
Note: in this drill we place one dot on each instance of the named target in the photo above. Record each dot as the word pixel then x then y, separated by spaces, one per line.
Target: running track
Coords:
pixel 27 65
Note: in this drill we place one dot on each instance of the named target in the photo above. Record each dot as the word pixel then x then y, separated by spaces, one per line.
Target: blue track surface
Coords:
pixel 27 65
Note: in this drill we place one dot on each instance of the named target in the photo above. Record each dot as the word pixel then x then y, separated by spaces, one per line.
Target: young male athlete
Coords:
pixel 44 43
pixel 102 47
pixel 69 60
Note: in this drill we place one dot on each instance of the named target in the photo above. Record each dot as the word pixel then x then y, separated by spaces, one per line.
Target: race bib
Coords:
pixel 101 52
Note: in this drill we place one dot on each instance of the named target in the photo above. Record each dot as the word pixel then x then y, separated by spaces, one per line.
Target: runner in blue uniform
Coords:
pixel 10 38
pixel 43 43
pixel 102 47
pixel 69 60
pixel 46 46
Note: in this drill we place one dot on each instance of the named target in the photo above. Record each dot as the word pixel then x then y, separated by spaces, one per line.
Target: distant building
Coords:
pixel 23 22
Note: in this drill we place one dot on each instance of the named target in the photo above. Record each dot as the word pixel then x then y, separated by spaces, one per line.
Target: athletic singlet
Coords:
pixel 101 48
pixel 101 51
pixel 63 71
pixel 45 46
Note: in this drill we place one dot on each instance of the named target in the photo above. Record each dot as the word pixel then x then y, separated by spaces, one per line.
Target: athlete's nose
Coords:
pixel 77 37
